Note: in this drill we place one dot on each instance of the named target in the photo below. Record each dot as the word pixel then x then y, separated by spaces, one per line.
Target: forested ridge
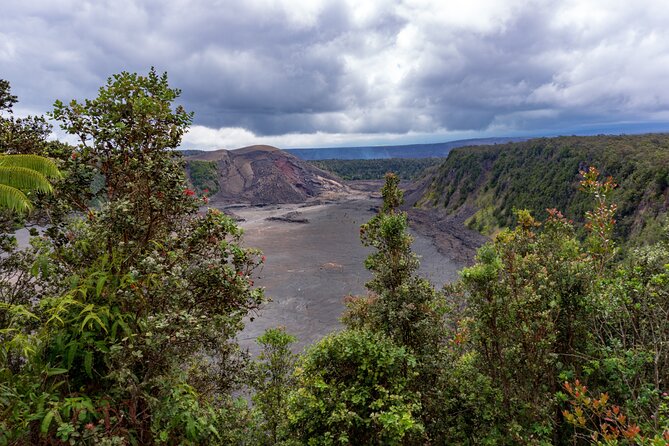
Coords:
pixel 375 169
pixel 118 323
pixel 544 173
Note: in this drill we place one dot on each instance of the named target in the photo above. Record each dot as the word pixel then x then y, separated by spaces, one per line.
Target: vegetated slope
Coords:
pixel 203 176
pixel 375 169
pixel 260 175
pixel 487 183
pixel 432 150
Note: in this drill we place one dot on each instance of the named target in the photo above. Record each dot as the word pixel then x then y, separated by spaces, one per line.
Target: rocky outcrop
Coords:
pixel 267 175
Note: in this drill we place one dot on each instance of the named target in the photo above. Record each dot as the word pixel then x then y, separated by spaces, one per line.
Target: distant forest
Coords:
pixel 375 169
pixel 430 150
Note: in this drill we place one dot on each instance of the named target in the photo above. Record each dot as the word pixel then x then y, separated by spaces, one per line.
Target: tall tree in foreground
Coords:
pixel 401 305
pixel 129 335
pixel 360 386
pixel 127 134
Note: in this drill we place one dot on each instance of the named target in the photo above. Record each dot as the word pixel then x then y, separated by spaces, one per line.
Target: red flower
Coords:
pixel 74 155
pixel 189 192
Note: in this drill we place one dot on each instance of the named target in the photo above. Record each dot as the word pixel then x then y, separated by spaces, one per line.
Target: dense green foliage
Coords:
pixel 118 323
pixel 271 380
pixel 375 169
pixel 539 312
pixel 204 176
pixel 544 173
pixel 493 352
pixel 21 175
pixel 527 298
pixel 118 327
pixel 353 388
pixel 19 135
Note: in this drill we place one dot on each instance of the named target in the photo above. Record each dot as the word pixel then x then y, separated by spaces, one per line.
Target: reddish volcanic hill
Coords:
pixel 267 175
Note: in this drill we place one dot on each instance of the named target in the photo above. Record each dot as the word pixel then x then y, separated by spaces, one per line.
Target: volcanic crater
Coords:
pixel 263 174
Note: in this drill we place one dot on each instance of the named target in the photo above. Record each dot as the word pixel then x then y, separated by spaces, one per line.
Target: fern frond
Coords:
pixel 13 199
pixel 24 179
pixel 40 164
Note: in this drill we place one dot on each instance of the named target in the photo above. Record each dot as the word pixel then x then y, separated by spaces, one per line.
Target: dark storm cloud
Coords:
pixel 487 76
pixel 358 68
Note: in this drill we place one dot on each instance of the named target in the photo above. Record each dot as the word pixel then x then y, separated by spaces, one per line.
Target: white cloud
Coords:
pixel 205 138
pixel 480 16
pixel 327 70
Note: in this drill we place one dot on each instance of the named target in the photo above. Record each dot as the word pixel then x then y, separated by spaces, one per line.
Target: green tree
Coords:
pixel 19 135
pixel 530 316
pixel 7 100
pixel 526 312
pixel 353 388
pixel 401 304
pixel 129 335
pixel 272 380
pixel 629 352
pixel 126 135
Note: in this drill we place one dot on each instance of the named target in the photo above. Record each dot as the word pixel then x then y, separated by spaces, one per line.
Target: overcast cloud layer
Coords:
pixel 322 73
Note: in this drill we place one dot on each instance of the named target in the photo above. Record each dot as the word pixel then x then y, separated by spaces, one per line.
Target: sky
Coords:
pixel 319 73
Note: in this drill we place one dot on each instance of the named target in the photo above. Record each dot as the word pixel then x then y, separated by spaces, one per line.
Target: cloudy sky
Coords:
pixel 314 73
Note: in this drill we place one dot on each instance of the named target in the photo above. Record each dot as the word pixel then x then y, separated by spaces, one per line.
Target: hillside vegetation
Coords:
pixel 491 181
pixel 203 175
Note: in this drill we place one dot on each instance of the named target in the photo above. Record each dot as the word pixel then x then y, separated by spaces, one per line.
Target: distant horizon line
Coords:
pixel 525 137
pixel 515 138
